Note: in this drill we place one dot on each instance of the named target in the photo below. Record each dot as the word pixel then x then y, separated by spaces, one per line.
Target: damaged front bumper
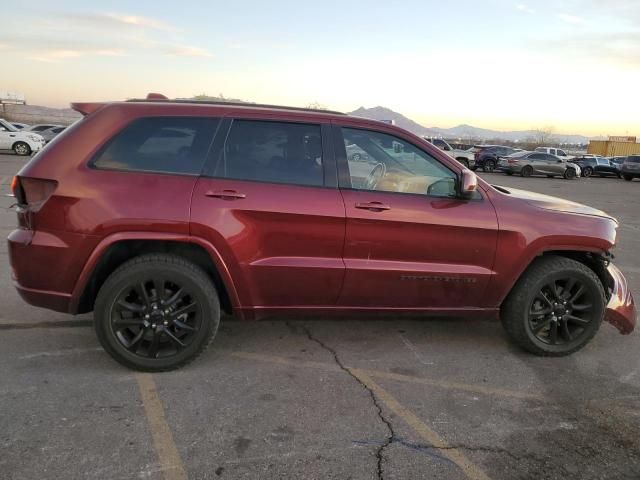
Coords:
pixel 621 310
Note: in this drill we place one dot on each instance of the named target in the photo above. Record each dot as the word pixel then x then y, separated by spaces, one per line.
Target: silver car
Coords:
pixel 538 163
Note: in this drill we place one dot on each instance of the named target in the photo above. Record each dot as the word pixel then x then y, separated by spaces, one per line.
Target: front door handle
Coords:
pixel 225 194
pixel 373 206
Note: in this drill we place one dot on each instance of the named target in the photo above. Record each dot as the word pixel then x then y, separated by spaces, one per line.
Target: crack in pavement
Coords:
pixel 374 399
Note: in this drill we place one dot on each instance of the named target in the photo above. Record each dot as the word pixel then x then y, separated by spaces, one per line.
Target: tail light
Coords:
pixel 32 193
pixel 511 161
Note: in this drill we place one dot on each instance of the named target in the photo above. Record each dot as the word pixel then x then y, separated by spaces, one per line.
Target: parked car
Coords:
pixel 21 142
pixel 42 127
pixel 194 208
pixel 631 167
pixel 356 154
pixel 465 157
pixel 51 133
pixel 558 152
pixel 20 126
pixel 538 163
pixel 599 166
pixel 487 156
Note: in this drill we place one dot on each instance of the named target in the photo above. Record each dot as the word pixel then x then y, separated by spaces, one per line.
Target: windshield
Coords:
pixel 7 126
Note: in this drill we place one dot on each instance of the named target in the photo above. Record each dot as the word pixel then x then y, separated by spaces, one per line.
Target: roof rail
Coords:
pixel 159 98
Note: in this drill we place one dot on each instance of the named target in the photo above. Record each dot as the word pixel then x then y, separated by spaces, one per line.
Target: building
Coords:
pixel 614 147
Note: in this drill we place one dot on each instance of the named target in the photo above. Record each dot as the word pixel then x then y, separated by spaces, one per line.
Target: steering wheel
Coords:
pixel 376 174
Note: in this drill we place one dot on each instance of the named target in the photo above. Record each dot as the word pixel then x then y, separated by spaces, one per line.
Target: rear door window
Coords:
pixel 160 144
pixel 275 152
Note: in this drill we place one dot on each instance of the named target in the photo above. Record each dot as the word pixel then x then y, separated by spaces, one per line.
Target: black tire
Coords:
pixel 569 173
pixel 509 173
pixel 628 178
pixel 463 161
pixel 190 323
pixel 21 148
pixel 526 171
pixel 520 321
pixel 587 172
pixel 489 166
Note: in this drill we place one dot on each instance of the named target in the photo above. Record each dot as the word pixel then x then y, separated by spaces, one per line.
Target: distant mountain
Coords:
pixel 383 113
pixel 461 131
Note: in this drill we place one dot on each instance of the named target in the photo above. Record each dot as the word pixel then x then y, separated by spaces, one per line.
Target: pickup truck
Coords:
pixel 465 157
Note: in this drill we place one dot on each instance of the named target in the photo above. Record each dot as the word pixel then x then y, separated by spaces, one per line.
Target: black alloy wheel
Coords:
pixel 555 308
pixel 155 317
pixel 157 312
pixel 526 171
pixel 561 312
pixel 587 172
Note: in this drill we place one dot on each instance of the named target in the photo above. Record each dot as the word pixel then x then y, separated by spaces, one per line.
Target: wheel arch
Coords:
pixel 113 251
pixel 595 260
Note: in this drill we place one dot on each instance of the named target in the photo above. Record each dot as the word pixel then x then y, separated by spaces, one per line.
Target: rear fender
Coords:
pixel 103 246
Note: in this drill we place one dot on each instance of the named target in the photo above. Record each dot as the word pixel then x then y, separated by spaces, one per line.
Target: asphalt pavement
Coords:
pixel 325 399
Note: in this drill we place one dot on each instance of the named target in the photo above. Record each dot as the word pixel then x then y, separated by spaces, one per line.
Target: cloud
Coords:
pixel 187 51
pixel 118 21
pixel 145 22
pixel 574 19
pixel 524 8
pixel 55 56
pixel 66 36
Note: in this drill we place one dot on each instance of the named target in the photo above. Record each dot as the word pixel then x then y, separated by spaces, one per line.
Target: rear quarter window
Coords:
pixel 160 144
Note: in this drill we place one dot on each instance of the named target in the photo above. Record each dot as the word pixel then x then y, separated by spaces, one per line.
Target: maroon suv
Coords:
pixel 159 214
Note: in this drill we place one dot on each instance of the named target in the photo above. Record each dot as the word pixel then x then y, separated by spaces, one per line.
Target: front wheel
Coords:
pixel 156 312
pixel 22 149
pixel 628 178
pixel 555 308
pixel 587 172
pixel 569 174
pixel 489 166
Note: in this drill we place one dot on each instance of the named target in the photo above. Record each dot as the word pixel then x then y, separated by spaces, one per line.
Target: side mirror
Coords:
pixel 468 183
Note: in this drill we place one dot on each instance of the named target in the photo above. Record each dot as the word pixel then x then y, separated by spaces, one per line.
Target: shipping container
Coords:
pixel 608 148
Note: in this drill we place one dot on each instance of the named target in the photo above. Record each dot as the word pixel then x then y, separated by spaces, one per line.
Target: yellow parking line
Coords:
pixel 472 388
pixel 472 471
pixel 165 448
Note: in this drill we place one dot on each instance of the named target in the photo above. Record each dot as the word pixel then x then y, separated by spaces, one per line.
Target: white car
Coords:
pixel 21 142
pixel 558 152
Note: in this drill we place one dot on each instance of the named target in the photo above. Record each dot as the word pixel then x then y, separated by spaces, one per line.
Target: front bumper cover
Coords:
pixel 621 309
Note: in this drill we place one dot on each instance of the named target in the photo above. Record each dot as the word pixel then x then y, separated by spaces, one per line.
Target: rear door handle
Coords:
pixel 225 194
pixel 373 206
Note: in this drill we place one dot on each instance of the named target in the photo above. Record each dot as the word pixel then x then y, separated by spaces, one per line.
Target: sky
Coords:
pixel 573 65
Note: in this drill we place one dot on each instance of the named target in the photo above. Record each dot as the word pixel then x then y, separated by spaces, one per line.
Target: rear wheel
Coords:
pixel 526 171
pixel 569 174
pixel 22 148
pixel 489 166
pixel 628 178
pixel 156 312
pixel 463 161
pixel 587 171
pixel 555 308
